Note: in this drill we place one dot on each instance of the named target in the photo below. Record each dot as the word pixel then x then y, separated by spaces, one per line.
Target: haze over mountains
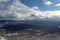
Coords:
pixel 11 25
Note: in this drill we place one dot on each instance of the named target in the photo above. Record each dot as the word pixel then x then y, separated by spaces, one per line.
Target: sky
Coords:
pixel 43 4
pixel 30 10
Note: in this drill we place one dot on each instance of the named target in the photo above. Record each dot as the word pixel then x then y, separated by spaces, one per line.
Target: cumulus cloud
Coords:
pixel 47 2
pixel 19 11
pixel 57 4
pixel 2 5
pixel 52 15
pixel 35 8
pixel 4 0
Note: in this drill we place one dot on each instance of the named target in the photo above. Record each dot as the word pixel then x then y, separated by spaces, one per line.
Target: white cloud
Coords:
pixel 35 8
pixel 2 5
pixel 52 15
pixel 4 0
pixel 47 2
pixel 19 11
pixel 57 4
